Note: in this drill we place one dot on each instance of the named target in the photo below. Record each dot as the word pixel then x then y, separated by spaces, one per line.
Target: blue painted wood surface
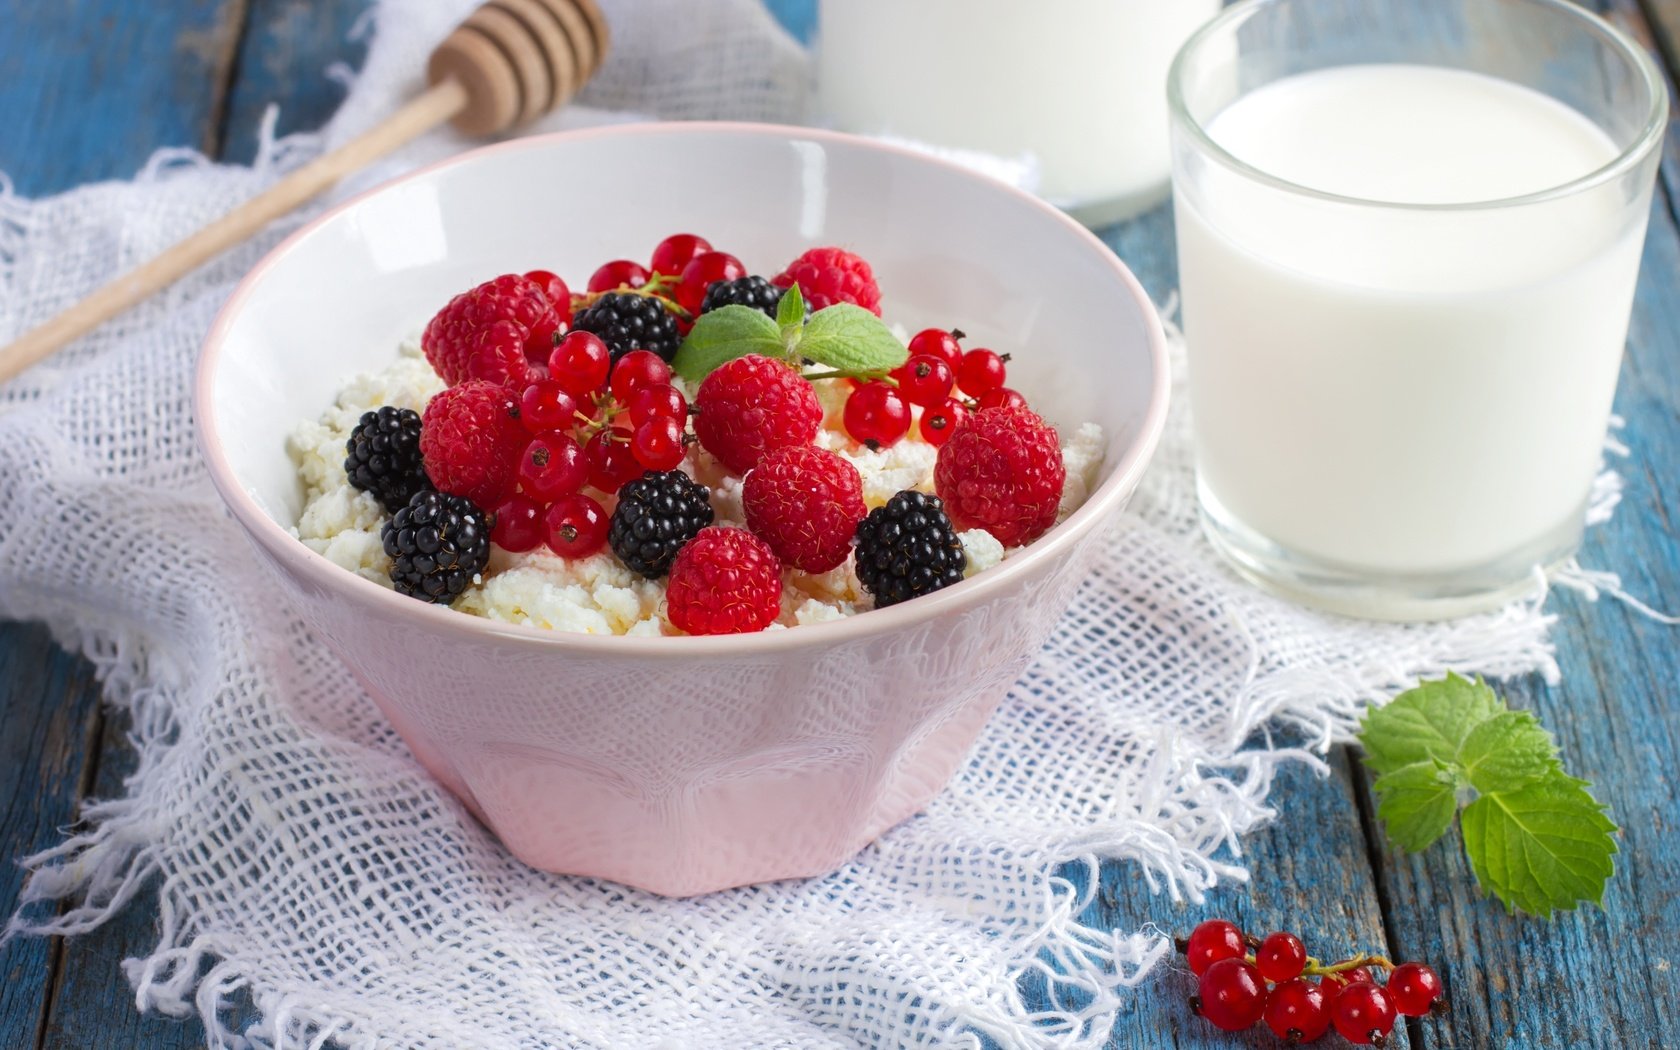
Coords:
pixel 79 109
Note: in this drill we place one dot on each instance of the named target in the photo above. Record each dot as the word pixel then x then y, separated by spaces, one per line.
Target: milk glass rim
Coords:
pixel 1649 138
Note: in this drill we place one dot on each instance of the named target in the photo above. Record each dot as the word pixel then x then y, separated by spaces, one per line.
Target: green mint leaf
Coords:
pixel 790 312
pixel 1545 846
pixel 723 335
pixel 1507 751
pixel 1417 804
pixel 850 339
pixel 1429 722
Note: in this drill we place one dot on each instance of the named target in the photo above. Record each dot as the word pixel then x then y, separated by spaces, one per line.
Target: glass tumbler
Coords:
pixel 1408 238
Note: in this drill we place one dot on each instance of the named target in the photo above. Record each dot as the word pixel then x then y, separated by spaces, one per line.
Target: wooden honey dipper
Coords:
pixel 510 62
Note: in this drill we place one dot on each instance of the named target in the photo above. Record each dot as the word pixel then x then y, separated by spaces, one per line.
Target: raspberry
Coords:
pixel 383 456
pixel 628 322
pixel 907 549
pixel 755 292
pixel 805 502
pixel 1001 470
pixel 751 405
pixel 470 439
pixel 437 544
pixel 657 513
pixel 832 275
pixel 450 340
pixel 725 581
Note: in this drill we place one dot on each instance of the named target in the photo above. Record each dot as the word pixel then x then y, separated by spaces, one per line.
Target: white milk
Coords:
pixel 1404 391
pixel 1078 85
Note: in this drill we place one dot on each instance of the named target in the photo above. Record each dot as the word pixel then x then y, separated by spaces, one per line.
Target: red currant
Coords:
pixel 876 414
pixel 546 406
pixel 658 401
pixel 677 251
pixel 1281 957
pixel 1363 1013
pixel 699 274
pixel 617 274
pixel 576 526
pixel 939 420
pixel 980 372
pixel 1002 397
pixel 924 380
pixel 558 294
pixel 1231 995
pixel 552 466
pixel 611 460
pixel 1212 941
pixel 939 343
pixel 1333 983
pixel 658 443
pixel 518 527
pixel 1297 1012
pixel 580 363
pixel 637 369
pixel 1413 988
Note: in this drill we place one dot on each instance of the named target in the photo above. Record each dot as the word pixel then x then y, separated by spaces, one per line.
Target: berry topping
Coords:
pixel 628 322
pixel 876 414
pixel 554 289
pixel 832 275
pixel 725 581
pixel 657 513
pixel 924 380
pixel 383 456
pixel 1003 397
pixel 437 544
pixel 1280 957
pixel 656 401
pixel 1363 1014
pixel 907 549
pixel 545 406
pixel 575 526
pixel 701 273
pixel 552 466
pixel 755 292
pixel 1413 988
pixel 938 343
pixel 676 251
pixel 658 443
pixel 638 369
pixel 1001 470
pixel 1297 1011
pixel 620 273
pixel 470 440
pixel 517 524
pixel 611 460
pixel 753 404
pixel 981 372
pixel 580 363
pixel 940 420
pixel 806 503
pixel 453 346
pixel 1231 995
pixel 1212 941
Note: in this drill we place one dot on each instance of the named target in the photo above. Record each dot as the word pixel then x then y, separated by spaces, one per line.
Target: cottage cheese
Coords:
pixel 598 595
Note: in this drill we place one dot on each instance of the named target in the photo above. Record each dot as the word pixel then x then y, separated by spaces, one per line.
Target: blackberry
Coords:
pixel 657 513
pixel 384 456
pixel 437 544
pixel 755 292
pixel 630 322
pixel 908 548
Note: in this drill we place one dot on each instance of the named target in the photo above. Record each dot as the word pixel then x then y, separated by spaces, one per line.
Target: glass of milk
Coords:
pixel 1408 239
pixel 1075 88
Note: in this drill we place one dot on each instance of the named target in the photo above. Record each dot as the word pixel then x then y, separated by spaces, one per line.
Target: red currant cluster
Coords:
pixel 683 266
pixel 934 378
pixel 1238 989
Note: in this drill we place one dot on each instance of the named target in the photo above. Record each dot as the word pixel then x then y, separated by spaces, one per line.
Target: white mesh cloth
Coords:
pixel 306 863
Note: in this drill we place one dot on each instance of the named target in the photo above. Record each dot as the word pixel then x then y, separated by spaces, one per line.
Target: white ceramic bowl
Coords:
pixel 685 764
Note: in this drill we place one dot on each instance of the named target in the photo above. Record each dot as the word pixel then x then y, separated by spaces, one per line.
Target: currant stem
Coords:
pixel 1314 968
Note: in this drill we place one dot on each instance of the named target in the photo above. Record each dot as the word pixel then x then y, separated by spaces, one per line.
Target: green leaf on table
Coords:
pixel 723 335
pixel 1545 846
pixel 1535 837
pixel 790 312
pixel 1417 803
pixel 850 339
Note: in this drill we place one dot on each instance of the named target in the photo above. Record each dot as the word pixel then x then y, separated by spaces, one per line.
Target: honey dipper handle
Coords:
pixel 441 102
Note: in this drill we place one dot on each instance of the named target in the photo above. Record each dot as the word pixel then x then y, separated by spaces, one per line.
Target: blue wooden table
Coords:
pixel 88 88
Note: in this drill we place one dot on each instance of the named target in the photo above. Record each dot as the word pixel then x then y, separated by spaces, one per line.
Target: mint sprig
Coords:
pixel 1534 835
pixel 848 339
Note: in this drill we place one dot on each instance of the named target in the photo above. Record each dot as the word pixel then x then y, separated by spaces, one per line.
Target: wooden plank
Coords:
pixel 49 706
pixel 283 60
pixel 90 88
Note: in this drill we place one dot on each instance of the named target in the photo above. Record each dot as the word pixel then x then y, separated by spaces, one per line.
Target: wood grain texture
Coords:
pixel 283 58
